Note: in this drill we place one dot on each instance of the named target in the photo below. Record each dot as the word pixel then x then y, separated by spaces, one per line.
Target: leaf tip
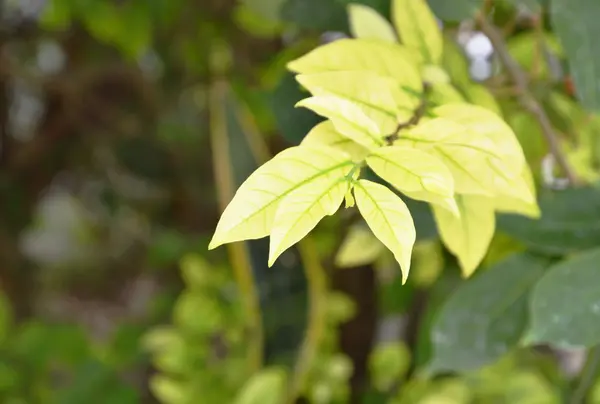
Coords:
pixel 214 243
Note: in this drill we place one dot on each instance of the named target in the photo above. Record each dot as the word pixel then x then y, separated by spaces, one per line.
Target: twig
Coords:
pixel 526 99
pixel 588 376
pixel 414 119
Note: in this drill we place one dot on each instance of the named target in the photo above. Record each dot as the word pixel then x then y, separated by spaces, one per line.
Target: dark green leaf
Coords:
pixel 486 315
pixel 455 10
pixel 569 222
pixel 576 24
pixel 565 304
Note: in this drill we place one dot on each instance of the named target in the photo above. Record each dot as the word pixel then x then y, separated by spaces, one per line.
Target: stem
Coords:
pixel 527 99
pixel 238 252
pixel 588 376
pixel 317 316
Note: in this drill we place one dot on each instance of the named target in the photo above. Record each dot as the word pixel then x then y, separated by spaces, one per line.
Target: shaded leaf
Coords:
pixel 565 304
pixel 486 316
pixel 389 220
pixel 360 247
pixel 575 23
pixel 569 222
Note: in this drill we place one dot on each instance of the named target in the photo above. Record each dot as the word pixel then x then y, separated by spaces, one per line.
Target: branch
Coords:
pixel 526 98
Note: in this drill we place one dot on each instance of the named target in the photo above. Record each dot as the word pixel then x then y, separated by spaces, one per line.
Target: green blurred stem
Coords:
pixel 588 376
pixel 238 252
pixel 317 317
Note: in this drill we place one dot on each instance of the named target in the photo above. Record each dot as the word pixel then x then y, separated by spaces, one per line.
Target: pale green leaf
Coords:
pixel 360 247
pixel 379 57
pixel 388 364
pixel 480 95
pixel 348 118
pixel 382 99
pixel 508 204
pixel 264 387
pixel 466 154
pixel 418 28
pixel 324 134
pixel 485 316
pixel 415 173
pixel 389 220
pixel 468 236
pixel 565 304
pixel 303 208
pixel 252 210
pixel 366 23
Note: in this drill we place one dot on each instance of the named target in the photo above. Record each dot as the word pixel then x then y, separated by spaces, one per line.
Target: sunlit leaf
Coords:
pixel 507 204
pixel 415 173
pixel 251 213
pixel 360 247
pixel 468 236
pixel 466 154
pixel 349 119
pixel 367 23
pixel 418 28
pixel 389 219
pixel 565 305
pixel 379 57
pixel 324 134
pixel 486 316
pixel 380 97
pixel 302 209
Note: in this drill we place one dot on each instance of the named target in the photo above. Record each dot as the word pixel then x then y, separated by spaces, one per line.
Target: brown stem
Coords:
pixel 526 98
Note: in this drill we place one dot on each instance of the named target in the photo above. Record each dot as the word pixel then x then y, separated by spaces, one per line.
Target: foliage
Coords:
pixel 136 137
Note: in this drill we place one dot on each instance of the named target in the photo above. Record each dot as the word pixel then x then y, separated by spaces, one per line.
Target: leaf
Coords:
pixel 347 118
pixel 466 154
pixel 264 387
pixel 418 29
pixel 251 212
pixel 569 222
pixel 486 316
pixel 379 96
pixel 388 363
pixel 303 208
pixel 324 134
pixel 455 10
pixel 366 23
pixel 575 23
pixel 507 204
pixel 389 219
pixel 565 304
pixel 416 174
pixel 385 59
pixel 468 236
pixel 360 247
pixel 331 15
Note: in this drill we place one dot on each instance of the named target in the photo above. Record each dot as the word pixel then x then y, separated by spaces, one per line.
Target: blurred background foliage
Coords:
pixel 126 126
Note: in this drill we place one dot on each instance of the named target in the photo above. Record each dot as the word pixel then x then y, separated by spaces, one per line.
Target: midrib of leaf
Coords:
pixel 293 188
pixel 463 169
pixel 368 103
pixel 317 201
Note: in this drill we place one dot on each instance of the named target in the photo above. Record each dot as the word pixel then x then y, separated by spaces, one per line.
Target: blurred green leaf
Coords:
pixel 456 10
pixel 486 316
pixel 565 304
pixel 576 25
pixel 265 387
pixel 388 364
pixel 569 222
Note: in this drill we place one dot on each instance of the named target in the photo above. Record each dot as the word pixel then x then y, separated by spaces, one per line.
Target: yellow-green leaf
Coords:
pixel 389 220
pixel 366 23
pixel 468 236
pixel 303 208
pixel 415 173
pixel 465 153
pixel 264 387
pixel 251 212
pixel 348 118
pixel 386 59
pixel 418 28
pixel 380 97
pixel 360 247
pixel 508 204
pixel 325 134
pixel 480 95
